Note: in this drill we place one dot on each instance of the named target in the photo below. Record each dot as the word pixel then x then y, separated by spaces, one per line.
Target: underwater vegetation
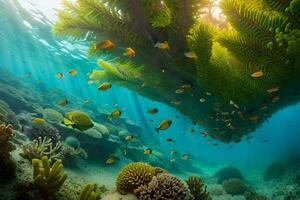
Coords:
pixel 198 188
pixel 228 77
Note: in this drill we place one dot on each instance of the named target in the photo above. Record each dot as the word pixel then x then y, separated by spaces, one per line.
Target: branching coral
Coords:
pixel 262 36
pixel 42 147
pixel 134 175
pixel 48 178
pixel 164 186
pixel 6 165
pixel 89 192
pixel 197 188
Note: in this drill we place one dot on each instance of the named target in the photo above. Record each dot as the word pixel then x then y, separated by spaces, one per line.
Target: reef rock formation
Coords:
pixel 219 87
pixel 6 164
pixel 228 173
pixel 275 170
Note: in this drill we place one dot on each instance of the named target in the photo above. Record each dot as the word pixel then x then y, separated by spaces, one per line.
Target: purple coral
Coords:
pixel 44 130
pixel 164 186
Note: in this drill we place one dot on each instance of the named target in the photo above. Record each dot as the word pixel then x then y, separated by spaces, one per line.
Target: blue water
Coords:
pixel 27 45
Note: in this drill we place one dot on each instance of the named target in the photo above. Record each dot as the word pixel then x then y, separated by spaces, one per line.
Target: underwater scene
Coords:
pixel 150 99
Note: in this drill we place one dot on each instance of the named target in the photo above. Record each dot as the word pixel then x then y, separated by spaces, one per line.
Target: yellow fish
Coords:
pixel 176 102
pixel 179 91
pixel 169 140
pixel 115 114
pixel 173 152
pixel 185 157
pixel 38 121
pixel 192 55
pixel 202 100
pixel 73 72
pixel 90 81
pixel 105 45
pixel 275 99
pixel 59 75
pixel 152 110
pixel 129 52
pixel 63 102
pixel 274 89
pixel 164 45
pixel 165 124
pixel 257 74
pixel 147 151
pixel 129 137
pixel 187 86
pixel 110 161
pixel 87 101
pixel 104 86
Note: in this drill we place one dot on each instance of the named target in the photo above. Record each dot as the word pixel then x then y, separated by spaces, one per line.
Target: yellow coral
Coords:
pixel 89 192
pixel 134 175
pixel 48 179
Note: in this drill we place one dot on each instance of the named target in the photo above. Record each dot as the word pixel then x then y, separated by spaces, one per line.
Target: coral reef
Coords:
pixel 228 173
pixel 134 175
pixel 164 186
pixel 44 130
pixel 229 55
pixel 89 192
pixel 42 147
pixel 235 186
pixel 7 167
pixel 275 170
pixel 48 178
pixel 197 188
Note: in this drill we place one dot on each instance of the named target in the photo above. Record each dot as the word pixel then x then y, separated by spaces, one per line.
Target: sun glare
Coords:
pixel 212 13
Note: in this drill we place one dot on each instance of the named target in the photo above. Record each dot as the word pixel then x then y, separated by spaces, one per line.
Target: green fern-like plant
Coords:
pixel 260 36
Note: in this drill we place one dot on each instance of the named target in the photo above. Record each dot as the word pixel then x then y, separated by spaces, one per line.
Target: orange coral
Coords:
pixel 6 132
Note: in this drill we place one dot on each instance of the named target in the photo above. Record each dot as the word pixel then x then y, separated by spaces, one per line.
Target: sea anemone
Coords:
pixel 197 188
pixel 134 175
pixel 228 173
pixel 164 186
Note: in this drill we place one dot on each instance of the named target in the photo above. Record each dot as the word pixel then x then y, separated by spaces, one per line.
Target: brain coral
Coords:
pixel 197 188
pixel 164 186
pixel 228 173
pixel 134 175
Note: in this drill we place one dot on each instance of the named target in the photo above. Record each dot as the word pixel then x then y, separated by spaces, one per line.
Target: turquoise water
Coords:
pixel 28 46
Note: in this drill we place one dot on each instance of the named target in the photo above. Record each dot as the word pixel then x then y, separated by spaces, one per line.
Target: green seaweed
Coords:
pixel 260 36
